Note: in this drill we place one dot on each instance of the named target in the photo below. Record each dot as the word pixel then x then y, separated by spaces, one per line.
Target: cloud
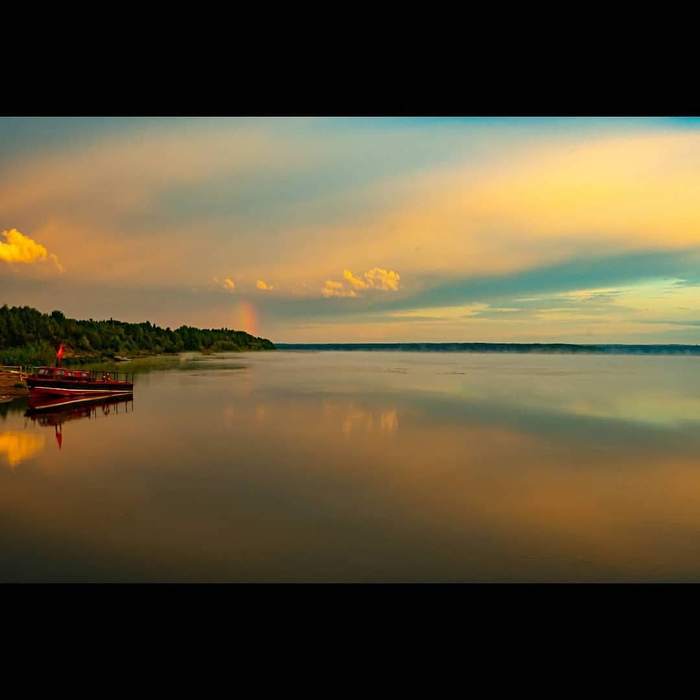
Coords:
pixel 387 280
pixel 227 283
pixel 264 286
pixel 574 274
pixel 376 278
pixel 115 197
pixel 355 282
pixel 19 248
pixel 336 289
pixel 469 212
pixel 532 204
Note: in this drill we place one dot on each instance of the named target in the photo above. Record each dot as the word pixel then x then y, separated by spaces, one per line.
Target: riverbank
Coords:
pixel 12 385
pixel 21 357
pixel 29 337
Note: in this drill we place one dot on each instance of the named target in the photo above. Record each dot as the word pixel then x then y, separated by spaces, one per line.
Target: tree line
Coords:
pixel 28 336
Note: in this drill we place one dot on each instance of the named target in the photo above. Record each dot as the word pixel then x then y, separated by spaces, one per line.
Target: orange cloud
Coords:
pixel 388 280
pixel 227 283
pixel 529 203
pixel 81 194
pixel 336 289
pixel 19 248
pixel 376 278
pixel 355 282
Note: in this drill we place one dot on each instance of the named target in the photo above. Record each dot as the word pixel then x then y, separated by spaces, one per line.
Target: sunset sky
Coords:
pixel 359 229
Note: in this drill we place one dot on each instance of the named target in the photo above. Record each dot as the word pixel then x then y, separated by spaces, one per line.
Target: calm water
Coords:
pixel 357 466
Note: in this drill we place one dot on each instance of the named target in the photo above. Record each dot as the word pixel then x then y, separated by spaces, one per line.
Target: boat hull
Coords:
pixel 39 387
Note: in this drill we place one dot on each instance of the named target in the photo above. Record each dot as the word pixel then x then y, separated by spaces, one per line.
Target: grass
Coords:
pixel 182 362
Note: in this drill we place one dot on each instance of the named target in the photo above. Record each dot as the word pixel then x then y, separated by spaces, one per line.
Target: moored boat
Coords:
pixel 60 381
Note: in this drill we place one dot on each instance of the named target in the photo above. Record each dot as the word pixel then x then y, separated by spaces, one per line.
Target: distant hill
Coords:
pixel 28 336
pixel 552 348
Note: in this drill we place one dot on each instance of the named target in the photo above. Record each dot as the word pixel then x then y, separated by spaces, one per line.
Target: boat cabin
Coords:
pixel 79 375
pixel 61 373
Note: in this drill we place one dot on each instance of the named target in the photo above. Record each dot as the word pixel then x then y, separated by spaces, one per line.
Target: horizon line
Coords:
pixel 486 342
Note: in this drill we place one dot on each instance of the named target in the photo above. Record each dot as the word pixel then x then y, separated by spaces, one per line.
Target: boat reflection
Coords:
pixel 57 411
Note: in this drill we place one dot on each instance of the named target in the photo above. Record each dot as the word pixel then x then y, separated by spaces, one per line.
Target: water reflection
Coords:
pixel 17 446
pixel 329 417
pixel 363 421
pixel 336 467
pixel 53 413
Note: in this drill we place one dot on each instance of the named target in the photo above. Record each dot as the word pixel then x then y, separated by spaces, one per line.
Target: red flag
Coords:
pixel 59 354
pixel 59 436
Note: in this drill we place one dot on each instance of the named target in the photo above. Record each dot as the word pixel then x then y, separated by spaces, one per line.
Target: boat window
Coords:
pixel 59 372
pixel 43 371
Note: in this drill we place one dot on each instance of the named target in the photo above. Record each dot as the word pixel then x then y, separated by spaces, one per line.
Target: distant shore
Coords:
pixel 523 348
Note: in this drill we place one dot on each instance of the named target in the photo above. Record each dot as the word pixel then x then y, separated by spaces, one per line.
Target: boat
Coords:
pixel 77 384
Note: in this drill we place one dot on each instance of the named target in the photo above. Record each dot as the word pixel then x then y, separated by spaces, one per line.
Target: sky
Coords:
pixel 582 230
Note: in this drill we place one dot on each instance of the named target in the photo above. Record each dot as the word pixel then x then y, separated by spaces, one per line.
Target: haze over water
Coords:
pixel 365 466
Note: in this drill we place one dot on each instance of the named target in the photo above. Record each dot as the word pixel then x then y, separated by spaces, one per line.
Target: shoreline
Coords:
pixel 8 381
pixel 12 384
pixel 503 348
